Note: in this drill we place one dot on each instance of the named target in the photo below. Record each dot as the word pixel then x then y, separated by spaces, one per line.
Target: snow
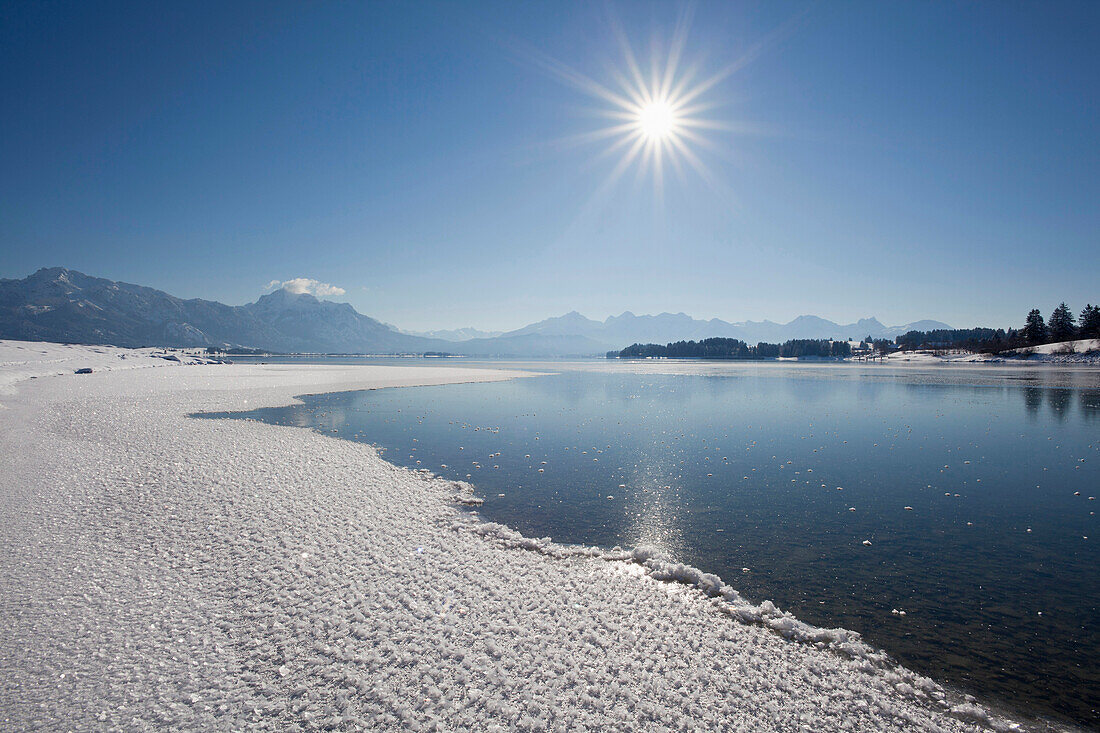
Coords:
pixel 1069 350
pixel 1082 351
pixel 21 360
pixel 162 571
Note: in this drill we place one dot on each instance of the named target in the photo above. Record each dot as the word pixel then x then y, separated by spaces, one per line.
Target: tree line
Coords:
pixel 729 348
pixel 1062 326
pixel 951 338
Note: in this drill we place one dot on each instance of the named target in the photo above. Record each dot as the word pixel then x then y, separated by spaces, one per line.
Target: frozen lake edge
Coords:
pixel 164 571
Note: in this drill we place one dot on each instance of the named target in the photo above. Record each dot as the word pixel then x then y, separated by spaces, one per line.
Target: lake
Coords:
pixel 947 514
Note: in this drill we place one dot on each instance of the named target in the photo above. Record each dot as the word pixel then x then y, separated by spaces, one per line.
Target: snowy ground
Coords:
pixel 1081 351
pixel 21 360
pixel 162 571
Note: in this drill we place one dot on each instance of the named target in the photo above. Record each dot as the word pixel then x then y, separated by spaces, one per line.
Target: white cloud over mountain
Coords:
pixel 301 285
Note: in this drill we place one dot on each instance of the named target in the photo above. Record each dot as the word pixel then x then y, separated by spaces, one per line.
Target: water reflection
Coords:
pixel 1089 401
pixel 1033 400
pixel 1059 401
pixel 652 494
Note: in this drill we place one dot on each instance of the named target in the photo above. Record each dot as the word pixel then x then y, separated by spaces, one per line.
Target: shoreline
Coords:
pixel 153 562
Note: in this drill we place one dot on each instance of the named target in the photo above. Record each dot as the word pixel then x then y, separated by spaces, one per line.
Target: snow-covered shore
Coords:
pixel 1080 351
pixel 23 360
pixel 162 571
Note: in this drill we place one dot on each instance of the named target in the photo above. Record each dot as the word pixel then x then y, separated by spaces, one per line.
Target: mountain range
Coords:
pixel 628 328
pixel 454 334
pixel 57 304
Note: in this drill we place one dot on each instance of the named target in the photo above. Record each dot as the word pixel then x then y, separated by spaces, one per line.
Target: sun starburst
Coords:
pixel 655 113
pixel 658 120
pixel 657 110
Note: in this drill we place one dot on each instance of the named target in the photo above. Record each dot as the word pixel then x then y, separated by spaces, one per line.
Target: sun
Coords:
pixel 657 120
pixel 654 108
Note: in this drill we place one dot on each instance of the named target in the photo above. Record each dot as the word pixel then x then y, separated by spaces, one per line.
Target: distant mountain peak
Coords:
pixel 49 273
pixel 58 275
pixel 282 295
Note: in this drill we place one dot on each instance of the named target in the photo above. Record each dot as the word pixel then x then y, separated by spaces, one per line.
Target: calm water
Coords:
pixel 966 487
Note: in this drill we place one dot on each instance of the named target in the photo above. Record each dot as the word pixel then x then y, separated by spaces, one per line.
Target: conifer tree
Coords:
pixel 1035 329
pixel 1061 324
pixel 1090 322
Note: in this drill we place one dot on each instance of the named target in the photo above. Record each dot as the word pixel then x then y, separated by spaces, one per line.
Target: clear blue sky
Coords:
pixel 903 160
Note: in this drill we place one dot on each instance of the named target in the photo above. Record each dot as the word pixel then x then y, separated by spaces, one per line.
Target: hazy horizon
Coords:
pixel 316 289
pixel 442 167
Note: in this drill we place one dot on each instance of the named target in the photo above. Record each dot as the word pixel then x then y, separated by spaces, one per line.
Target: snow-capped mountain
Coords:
pixel 57 304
